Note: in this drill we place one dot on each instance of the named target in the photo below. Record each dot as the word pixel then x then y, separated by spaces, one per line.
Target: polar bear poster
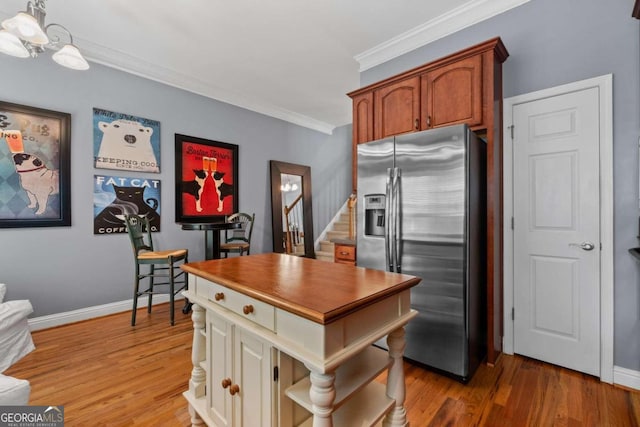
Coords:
pixel 126 142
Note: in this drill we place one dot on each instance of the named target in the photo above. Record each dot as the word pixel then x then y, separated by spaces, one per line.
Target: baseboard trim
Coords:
pixel 626 377
pixel 59 319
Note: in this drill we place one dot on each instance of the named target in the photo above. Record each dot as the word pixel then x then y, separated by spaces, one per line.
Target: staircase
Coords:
pixel 337 229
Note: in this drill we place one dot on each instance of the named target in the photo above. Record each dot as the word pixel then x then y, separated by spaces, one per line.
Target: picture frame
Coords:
pixel 206 180
pixel 125 142
pixel 114 197
pixel 35 167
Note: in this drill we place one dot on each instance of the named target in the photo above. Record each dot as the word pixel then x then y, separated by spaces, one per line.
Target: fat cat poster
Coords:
pixel 114 197
pixel 125 142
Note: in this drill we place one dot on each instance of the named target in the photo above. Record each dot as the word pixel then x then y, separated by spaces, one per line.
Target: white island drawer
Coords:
pixel 250 308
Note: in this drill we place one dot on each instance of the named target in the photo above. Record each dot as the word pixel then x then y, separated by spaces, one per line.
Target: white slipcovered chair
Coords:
pixel 15 343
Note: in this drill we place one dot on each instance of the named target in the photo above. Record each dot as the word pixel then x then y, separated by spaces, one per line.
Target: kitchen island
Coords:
pixel 281 340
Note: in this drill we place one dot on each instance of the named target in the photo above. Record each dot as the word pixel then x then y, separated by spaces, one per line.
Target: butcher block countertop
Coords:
pixel 316 290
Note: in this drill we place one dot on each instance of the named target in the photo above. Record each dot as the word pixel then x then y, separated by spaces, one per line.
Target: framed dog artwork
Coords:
pixel 206 180
pixel 35 167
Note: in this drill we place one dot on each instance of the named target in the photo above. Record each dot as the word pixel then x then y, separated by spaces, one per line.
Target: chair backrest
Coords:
pixel 244 232
pixel 139 233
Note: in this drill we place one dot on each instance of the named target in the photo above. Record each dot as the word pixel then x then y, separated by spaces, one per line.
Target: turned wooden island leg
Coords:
pixel 322 394
pixel 198 380
pixel 196 421
pixel 198 353
pixel 396 387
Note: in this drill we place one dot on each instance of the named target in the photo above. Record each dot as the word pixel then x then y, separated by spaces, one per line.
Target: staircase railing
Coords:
pixel 292 230
pixel 352 216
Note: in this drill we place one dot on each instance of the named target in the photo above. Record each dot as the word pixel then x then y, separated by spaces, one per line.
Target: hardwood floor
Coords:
pixel 107 373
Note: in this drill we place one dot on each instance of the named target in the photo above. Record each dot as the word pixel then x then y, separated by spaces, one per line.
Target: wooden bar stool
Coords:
pixel 162 265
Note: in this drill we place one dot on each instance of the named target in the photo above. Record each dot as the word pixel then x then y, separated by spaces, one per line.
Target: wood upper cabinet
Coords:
pixel 447 95
pixel 362 124
pixel 452 94
pixel 363 118
pixel 455 89
pixel 397 108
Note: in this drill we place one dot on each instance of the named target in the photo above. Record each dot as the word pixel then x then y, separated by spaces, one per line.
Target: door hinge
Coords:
pixel 513 313
pixel 512 223
pixel 275 374
pixel 511 129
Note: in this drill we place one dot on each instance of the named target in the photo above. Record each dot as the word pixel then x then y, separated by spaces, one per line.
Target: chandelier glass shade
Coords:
pixel 25 36
pixel 11 45
pixel 26 27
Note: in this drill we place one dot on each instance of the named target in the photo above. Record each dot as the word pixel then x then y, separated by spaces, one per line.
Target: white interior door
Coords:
pixel 556 236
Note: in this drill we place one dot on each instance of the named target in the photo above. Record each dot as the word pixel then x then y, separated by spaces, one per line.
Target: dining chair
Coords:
pixel 238 240
pixel 162 265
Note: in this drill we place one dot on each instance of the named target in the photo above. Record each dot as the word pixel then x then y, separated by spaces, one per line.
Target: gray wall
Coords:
pixel 66 268
pixel 553 42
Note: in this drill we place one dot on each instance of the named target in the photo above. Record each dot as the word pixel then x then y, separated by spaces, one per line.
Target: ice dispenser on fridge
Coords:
pixel 374 211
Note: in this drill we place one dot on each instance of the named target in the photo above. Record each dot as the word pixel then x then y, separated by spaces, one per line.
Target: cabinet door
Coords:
pixel 253 372
pixel 453 94
pixel 363 118
pixel 397 108
pixel 362 129
pixel 219 358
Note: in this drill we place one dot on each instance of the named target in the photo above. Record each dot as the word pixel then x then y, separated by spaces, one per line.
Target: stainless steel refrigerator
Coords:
pixel 422 211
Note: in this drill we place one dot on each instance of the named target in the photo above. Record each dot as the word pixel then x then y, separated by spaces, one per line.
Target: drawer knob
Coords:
pixel 247 309
pixel 226 382
pixel 234 389
pixel 219 296
pixel 344 253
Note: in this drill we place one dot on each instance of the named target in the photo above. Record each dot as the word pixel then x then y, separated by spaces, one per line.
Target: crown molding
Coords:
pixel 121 61
pixel 459 18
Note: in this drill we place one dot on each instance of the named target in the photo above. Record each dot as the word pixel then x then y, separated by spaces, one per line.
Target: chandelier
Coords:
pixel 25 36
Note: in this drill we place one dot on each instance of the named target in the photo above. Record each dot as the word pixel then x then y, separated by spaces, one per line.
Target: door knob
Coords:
pixel 587 246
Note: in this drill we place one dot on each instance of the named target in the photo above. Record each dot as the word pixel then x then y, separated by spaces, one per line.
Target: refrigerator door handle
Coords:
pixel 396 220
pixel 387 221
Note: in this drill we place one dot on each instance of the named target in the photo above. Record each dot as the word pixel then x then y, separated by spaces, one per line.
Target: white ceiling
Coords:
pixel 290 59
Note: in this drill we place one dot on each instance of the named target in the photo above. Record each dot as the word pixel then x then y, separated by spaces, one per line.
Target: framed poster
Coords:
pixel 114 197
pixel 35 167
pixel 206 180
pixel 125 142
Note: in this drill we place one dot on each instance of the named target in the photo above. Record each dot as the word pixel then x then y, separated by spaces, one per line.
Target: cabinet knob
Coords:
pixel 219 296
pixel 344 253
pixel 247 309
pixel 417 124
pixel 226 382
pixel 428 121
pixel 234 389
